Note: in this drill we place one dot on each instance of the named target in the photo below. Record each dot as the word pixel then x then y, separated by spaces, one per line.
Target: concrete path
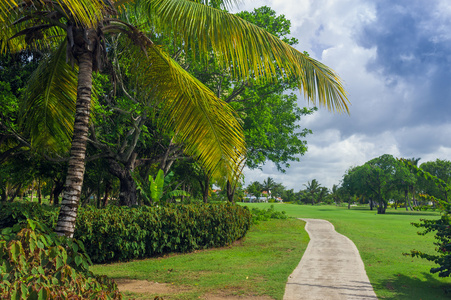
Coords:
pixel 330 269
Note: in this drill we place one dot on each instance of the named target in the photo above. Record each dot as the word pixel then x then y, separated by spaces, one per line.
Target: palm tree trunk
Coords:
pixel 76 168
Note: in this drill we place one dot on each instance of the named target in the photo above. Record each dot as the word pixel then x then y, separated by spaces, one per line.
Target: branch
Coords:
pixel 236 92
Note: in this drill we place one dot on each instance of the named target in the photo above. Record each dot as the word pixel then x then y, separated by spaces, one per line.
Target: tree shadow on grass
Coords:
pixel 413 288
pixel 416 213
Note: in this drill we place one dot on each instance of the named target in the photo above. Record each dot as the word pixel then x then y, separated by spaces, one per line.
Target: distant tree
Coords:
pixel 411 184
pixel 377 179
pixel 323 194
pixel 255 189
pixel 312 188
pixel 334 192
pixel 268 185
pixel 440 169
pixel 277 190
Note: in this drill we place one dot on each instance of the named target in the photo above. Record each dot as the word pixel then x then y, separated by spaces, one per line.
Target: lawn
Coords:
pixel 261 263
pixel 381 240
pixel 258 265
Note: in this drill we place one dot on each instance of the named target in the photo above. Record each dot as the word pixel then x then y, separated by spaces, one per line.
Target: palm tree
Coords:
pixel 75 31
pixel 335 193
pixel 312 188
pixel 268 185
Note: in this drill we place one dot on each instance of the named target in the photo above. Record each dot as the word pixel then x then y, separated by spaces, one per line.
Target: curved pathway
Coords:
pixel 330 269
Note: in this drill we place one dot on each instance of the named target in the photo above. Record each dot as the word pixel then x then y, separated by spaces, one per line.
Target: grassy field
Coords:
pixel 258 265
pixel 381 240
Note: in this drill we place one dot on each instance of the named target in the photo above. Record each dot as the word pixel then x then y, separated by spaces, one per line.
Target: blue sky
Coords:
pixel 394 58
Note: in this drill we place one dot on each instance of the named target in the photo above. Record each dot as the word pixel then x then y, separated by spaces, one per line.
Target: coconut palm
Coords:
pixel 75 33
pixel 313 187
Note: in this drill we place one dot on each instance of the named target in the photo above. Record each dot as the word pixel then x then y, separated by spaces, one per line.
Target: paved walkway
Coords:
pixel 330 269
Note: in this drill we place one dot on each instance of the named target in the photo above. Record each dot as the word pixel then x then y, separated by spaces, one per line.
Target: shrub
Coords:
pixel 17 212
pixel 122 233
pixel 265 215
pixel 37 264
pixel 442 241
pixel 441 227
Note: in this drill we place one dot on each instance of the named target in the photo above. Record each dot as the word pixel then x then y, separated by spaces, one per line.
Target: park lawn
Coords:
pixel 381 240
pixel 258 265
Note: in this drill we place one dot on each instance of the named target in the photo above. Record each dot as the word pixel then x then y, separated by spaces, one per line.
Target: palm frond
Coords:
pixel 27 29
pixel 245 49
pixel 86 13
pixel 207 126
pixel 49 103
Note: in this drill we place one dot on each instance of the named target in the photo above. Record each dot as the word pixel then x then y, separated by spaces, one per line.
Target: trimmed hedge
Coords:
pixel 122 233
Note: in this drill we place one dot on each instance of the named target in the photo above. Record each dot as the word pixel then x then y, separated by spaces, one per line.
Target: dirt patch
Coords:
pixel 144 287
pixel 148 287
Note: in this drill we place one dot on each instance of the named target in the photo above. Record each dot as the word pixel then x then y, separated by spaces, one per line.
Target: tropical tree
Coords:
pixel 255 189
pixel 378 180
pixel 268 185
pixel 442 170
pixel 335 194
pixel 75 32
pixel 408 183
pixel 312 188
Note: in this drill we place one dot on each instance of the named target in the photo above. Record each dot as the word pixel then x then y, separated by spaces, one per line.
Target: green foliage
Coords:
pixel 441 227
pixel 18 212
pixel 266 214
pixel 37 264
pixel 442 170
pixel 154 191
pixel 442 230
pixel 377 179
pixel 122 233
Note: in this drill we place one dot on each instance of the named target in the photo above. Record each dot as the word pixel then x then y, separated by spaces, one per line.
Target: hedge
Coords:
pixel 122 233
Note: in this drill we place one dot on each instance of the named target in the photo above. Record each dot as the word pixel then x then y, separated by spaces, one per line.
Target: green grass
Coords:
pixel 381 240
pixel 258 265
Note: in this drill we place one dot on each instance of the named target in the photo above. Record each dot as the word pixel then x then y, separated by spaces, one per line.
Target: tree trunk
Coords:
pixel 32 190
pixel 76 168
pixel 57 190
pixel 107 193
pixel 230 191
pixel 206 187
pixel 183 189
pixel 127 191
pixel 127 186
pixel 382 207
pixel 16 192
pixel 39 191
pixel 51 193
pixel 4 195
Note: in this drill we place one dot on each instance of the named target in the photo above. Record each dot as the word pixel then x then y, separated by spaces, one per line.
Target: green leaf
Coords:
pixel 15 250
pixel 78 260
pixel 59 262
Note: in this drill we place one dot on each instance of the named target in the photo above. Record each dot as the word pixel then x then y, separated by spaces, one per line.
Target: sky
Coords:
pixel 394 58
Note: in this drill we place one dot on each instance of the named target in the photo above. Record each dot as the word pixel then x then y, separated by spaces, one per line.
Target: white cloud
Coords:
pixel 391 112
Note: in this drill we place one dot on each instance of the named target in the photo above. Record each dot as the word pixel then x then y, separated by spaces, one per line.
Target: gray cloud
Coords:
pixel 395 60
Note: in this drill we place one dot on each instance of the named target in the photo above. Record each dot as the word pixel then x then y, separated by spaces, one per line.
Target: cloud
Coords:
pixel 395 62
